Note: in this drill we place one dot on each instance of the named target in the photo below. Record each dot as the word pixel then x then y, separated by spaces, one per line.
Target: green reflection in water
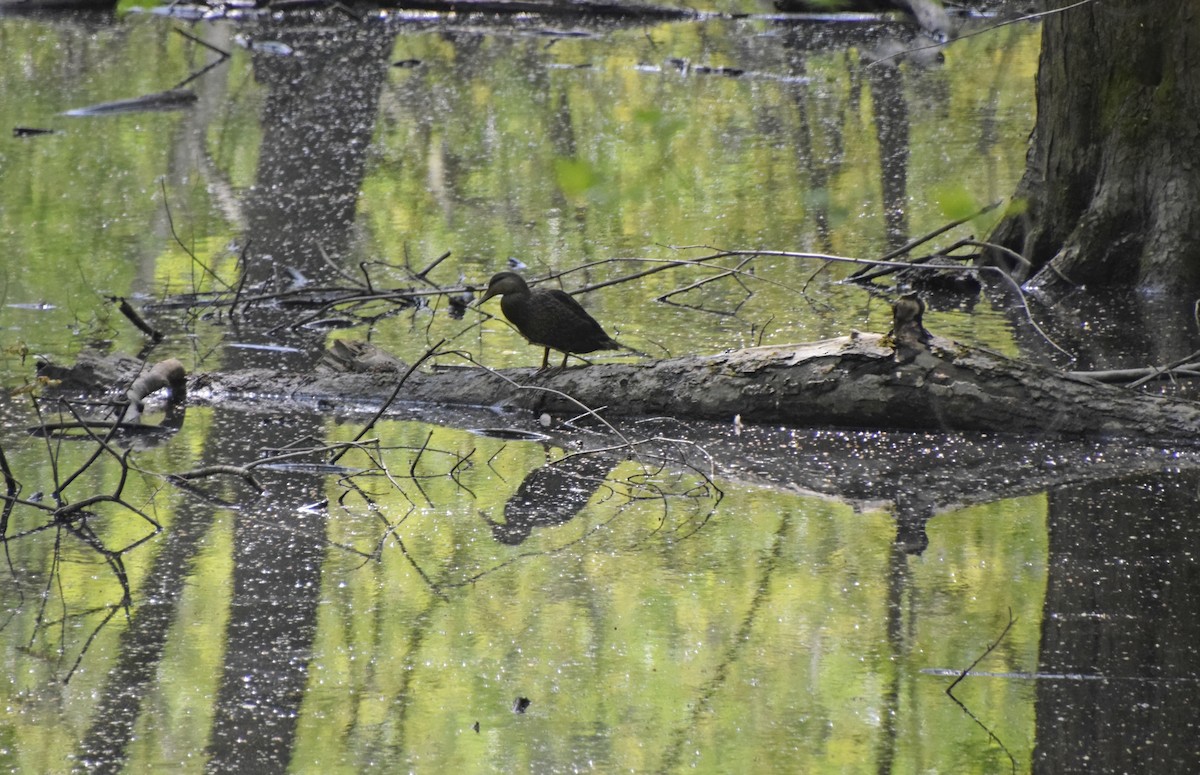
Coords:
pixel 781 633
pixel 468 157
pixel 672 160
pixel 785 632
pixel 779 627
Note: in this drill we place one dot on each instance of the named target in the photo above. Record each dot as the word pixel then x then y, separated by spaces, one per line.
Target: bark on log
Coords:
pixel 586 8
pixel 848 382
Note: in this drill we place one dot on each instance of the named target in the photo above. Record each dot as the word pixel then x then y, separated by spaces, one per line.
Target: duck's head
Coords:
pixel 504 282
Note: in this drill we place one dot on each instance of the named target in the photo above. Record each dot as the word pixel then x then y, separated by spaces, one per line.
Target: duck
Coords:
pixel 909 335
pixel 548 317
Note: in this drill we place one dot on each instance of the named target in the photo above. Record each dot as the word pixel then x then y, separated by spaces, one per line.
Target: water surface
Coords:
pixel 450 597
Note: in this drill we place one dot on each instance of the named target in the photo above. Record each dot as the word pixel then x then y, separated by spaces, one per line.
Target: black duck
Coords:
pixel 548 317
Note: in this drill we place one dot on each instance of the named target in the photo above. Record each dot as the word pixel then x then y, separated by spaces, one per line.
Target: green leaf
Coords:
pixel 574 176
pixel 956 201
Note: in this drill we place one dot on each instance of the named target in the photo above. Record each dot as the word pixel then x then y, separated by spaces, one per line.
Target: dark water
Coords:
pixel 465 589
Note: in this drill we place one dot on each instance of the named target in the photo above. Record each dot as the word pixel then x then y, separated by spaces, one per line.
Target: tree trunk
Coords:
pixel 1112 178
pixel 1120 588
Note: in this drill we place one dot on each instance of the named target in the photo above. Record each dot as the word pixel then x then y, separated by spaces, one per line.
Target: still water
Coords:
pixel 463 590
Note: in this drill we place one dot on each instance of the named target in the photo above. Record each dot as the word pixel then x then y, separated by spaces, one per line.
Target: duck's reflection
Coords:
pixel 552 495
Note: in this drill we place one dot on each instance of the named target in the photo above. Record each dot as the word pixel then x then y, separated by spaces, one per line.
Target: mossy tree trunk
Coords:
pixel 1112 182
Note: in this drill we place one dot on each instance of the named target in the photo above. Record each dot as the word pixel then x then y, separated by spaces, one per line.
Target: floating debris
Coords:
pixel 190 13
pixel 552 33
pixel 512 434
pixel 172 99
pixel 686 67
pixel 328 324
pixel 264 46
pixel 274 348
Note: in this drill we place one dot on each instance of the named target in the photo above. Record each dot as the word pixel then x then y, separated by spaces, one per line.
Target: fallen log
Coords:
pixel 859 381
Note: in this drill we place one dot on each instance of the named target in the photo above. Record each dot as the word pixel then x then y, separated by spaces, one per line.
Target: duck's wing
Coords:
pixel 578 329
pixel 566 299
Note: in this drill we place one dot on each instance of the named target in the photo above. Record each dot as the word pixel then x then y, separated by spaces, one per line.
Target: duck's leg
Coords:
pixel 565 356
pixel 545 359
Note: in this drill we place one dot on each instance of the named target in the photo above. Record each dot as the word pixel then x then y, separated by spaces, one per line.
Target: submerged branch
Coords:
pixel 963 674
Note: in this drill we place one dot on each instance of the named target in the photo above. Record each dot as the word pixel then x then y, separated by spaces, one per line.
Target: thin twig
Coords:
pixel 220 52
pixel 1007 278
pixel 244 275
pixel 919 261
pixel 10 501
pixel 431 352
pixel 214 470
pixel 175 235
pixel 950 691
pixel 693 286
pixel 908 246
pixel 566 396
pixel 1005 23
pixel 335 267
pixel 102 446
pixel 1011 621
pixel 1116 376
pixel 138 321
pixel 1014 255
pixel 222 55
pixel 412 468
pixel 421 275
pixel 1159 371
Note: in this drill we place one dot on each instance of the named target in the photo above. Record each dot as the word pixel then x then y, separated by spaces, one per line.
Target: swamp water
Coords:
pixel 465 592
